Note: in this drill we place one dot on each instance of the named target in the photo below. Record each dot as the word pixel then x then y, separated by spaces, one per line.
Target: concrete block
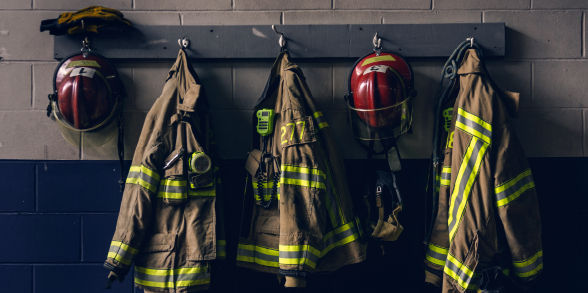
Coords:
pixel 319 78
pixel 19 178
pixel 97 233
pixel 15 4
pixel 481 4
pixel 560 83
pixel 332 17
pixel 217 80
pixel 233 136
pixel 281 4
pixel 540 34
pixel 73 5
pixel 512 76
pixel 560 4
pixel 91 186
pixel 182 5
pixel 82 277
pixel 433 16
pixel 40 238
pixel 16 278
pixel 153 18
pixel 340 83
pixel 31 135
pixel 585 125
pixel 148 81
pixel 553 132
pixel 340 129
pixel 417 143
pixel 379 5
pixel 249 81
pixel 21 40
pixel 42 83
pixel 15 86
pixel 231 18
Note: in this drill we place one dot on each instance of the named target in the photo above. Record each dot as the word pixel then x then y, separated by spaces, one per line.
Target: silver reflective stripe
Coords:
pixel 303 176
pixel 513 188
pixel 300 255
pixel 530 267
pixel 474 125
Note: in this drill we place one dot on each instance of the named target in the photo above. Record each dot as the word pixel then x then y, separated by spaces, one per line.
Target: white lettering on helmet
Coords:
pixel 83 71
pixel 377 68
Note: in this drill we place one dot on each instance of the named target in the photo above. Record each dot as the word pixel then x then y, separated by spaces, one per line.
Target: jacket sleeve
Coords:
pixel 438 242
pixel 517 206
pixel 135 213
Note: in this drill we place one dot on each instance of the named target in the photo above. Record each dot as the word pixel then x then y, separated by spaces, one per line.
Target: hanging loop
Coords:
pixel 282 41
pixel 184 43
pixel 377 42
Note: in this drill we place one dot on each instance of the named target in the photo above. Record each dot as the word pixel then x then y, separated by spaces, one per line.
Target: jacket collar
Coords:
pixel 471 63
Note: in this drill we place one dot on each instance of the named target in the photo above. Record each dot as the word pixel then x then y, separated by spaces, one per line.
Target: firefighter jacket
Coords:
pixel 488 215
pixel 167 222
pixel 298 216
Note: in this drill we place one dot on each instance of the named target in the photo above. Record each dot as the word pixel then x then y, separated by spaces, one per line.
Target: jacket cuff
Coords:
pixel 119 272
pixel 432 279
pixel 295 282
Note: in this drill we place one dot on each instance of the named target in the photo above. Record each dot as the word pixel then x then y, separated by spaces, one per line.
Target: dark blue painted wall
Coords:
pixel 57 218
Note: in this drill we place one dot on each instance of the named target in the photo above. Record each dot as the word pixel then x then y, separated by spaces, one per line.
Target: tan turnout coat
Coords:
pixel 309 225
pixel 488 215
pixel 167 226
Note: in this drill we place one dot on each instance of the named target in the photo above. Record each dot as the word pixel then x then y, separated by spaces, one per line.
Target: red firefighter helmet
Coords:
pixel 380 88
pixel 87 92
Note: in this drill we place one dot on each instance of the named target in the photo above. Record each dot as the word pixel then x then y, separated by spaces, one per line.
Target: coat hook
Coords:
pixel 471 39
pixel 184 42
pixel 377 42
pixel 282 41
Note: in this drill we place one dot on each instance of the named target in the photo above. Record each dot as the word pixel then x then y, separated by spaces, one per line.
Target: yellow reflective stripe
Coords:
pixel 119 258
pixel 338 230
pixel 513 181
pixel 124 246
pixel 303 170
pixel 171 272
pixel 515 195
pixel 305 183
pixel 185 283
pixel 378 59
pixel 141 182
pixel 203 193
pixel 465 283
pixel 474 118
pixel 527 262
pixel 147 181
pixel 341 242
pixel 300 248
pixel 173 182
pixel 263 250
pixel 472 131
pixel 256 260
pixel 436 254
pixel 434 260
pixel 438 249
pixel 532 272
pixel 444 182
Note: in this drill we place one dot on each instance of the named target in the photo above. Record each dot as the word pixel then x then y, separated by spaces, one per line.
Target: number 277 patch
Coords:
pixel 297 131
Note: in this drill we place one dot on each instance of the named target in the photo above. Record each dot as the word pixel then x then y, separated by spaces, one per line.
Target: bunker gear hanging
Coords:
pixel 309 224
pixel 168 223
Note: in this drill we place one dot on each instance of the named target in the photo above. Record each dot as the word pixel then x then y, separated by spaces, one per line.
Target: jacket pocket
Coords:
pixel 157 250
pixel 160 242
pixel 173 188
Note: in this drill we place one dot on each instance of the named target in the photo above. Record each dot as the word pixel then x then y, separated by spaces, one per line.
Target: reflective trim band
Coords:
pixel 468 172
pixel 436 255
pixel 458 271
pixel 529 267
pixel 221 248
pixel 378 59
pixel 303 176
pixel 445 178
pixel 170 188
pixel 339 237
pixel 259 255
pixel 121 252
pixel 299 255
pixel 473 125
pixel 144 177
pixel 172 278
pixel 320 120
pixel 267 190
pixel 513 188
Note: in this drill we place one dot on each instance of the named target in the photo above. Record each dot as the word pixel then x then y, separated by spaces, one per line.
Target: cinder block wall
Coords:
pixel 57 216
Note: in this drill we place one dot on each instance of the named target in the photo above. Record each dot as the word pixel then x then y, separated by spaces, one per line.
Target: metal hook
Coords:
pixel 184 42
pixel 377 42
pixel 282 41
pixel 471 39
